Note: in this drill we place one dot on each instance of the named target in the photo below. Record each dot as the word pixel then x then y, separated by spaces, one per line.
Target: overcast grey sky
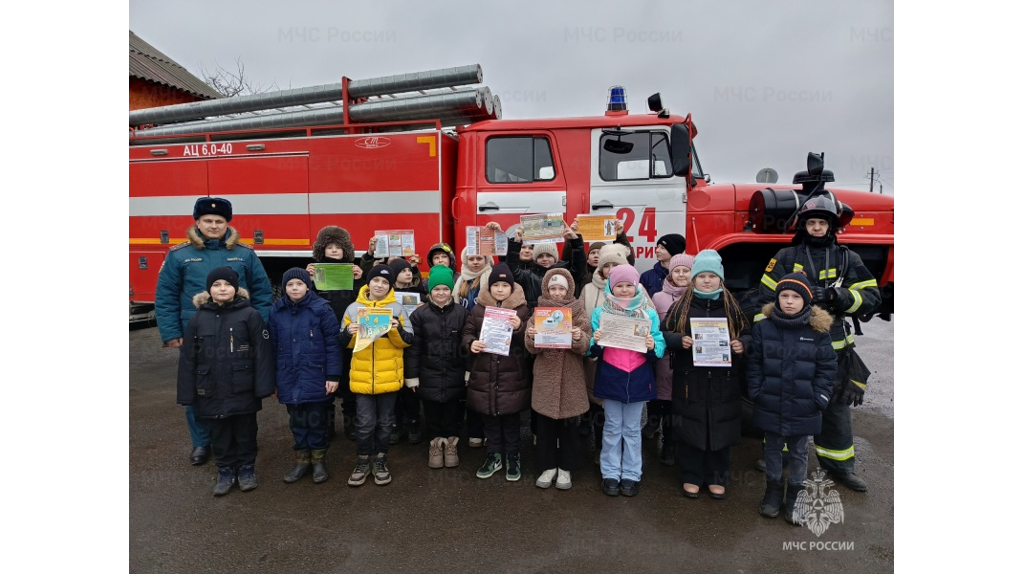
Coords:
pixel 766 82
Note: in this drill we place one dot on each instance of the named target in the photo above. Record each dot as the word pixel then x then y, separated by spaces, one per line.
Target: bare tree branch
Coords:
pixel 234 83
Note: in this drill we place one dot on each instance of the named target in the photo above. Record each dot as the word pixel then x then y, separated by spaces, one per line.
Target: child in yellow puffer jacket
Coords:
pixel 376 374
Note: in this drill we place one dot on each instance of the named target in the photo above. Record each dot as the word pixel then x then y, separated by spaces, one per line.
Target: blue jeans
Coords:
pixel 198 428
pixel 374 416
pixel 797 445
pixel 620 447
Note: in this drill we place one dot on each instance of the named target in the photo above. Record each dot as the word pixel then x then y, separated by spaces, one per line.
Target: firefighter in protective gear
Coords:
pixel 842 285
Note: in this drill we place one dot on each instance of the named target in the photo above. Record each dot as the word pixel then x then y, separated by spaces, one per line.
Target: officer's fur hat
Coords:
pixel 212 205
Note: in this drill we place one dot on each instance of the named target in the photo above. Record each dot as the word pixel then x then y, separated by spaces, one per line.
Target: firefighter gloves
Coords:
pixel 853 395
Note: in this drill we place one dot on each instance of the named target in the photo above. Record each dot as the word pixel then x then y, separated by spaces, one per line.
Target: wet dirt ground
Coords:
pixel 448 520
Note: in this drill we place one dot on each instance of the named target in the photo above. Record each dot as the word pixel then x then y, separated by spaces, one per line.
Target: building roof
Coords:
pixel 148 63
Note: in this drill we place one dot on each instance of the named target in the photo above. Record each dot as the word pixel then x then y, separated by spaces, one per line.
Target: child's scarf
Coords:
pixel 636 306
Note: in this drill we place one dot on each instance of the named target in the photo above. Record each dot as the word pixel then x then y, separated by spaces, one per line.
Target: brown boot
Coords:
pixel 436 457
pixel 451 452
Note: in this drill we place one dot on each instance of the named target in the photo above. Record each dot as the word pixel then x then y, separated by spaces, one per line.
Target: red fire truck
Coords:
pixel 288 180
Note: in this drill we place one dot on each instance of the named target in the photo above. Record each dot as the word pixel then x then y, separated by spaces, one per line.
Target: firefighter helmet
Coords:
pixel 821 207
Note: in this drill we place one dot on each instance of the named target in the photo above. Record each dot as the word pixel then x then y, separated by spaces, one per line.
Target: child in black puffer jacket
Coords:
pixel 225 371
pixel 436 368
pixel 791 365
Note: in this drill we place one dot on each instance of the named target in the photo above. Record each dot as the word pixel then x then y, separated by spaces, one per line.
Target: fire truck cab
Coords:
pixel 644 169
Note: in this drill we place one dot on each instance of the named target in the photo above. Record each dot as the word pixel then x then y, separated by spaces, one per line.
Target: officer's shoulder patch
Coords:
pixel 771 265
pixel 181 245
pixel 245 245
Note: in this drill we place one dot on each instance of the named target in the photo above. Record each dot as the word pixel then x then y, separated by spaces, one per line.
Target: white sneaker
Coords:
pixel 564 480
pixel 546 477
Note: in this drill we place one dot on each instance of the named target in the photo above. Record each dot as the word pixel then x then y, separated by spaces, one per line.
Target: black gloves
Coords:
pixel 818 293
pixel 853 395
pixel 823 295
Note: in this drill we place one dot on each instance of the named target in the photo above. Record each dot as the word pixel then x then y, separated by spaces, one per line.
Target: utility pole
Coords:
pixel 872 190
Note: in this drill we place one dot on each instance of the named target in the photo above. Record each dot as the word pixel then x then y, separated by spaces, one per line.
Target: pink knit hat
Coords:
pixel 681 259
pixel 621 273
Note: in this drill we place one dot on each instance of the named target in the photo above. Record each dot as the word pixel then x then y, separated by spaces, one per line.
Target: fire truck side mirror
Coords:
pixel 680 151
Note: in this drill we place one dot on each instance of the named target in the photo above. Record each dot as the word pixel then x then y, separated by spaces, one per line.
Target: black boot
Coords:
pixel 319 465
pixel 772 500
pixel 415 432
pixel 200 455
pixel 791 514
pixel 302 462
pixel 225 480
pixel 851 480
pixel 247 477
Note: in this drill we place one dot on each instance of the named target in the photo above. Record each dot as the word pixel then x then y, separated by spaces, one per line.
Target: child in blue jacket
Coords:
pixel 789 375
pixel 625 380
pixel 304 333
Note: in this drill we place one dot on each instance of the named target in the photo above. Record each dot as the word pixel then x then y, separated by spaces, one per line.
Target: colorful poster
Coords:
pixel 624 332
pixel 373 323
pixel 496 330
pixel 710 342
pixel 394 243
pixel 554 327
pixel 485 241
pixel 332 276
pixel 596 227
pixel 542 228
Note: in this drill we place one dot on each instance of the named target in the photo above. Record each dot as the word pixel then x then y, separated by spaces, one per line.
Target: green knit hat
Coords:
pixel 441 275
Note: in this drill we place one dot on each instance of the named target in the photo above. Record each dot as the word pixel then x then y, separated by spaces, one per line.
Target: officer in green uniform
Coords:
pixel 211 243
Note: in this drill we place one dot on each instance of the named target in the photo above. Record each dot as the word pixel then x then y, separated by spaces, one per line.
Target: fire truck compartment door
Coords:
pixel 520 202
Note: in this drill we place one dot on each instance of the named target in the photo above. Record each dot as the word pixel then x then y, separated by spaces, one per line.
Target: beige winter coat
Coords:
pixel 559 380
